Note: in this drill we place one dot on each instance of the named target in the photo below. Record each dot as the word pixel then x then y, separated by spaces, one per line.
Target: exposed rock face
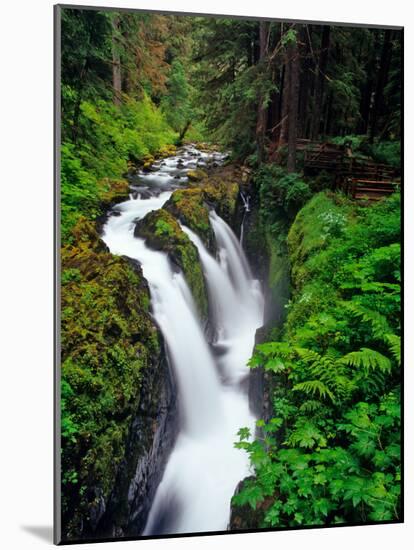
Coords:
pixel 244 517
pixel 151 438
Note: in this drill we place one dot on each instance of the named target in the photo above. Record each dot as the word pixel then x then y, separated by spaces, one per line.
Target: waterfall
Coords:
pixel 237 310
pixel 231 254
pixel 204 468
pixel 246 209
pixel 175 313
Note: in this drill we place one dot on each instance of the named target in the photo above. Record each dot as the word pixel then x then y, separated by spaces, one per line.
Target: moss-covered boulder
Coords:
pixel 108 343
pixel 167 151
pixel 324 217
pixel 192 206
pixel 162 232
pixel 196 175
pixel 221 194
pixel 112 191
pixel 189 206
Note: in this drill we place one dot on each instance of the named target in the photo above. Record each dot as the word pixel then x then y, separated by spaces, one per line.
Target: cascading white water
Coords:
pixel 246 207
pixel 237 311
pixel 175 314
pixel 204 467
pixel 232 255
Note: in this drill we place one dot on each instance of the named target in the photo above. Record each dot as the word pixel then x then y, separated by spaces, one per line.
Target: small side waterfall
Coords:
pixel 204 467
pixel 246 209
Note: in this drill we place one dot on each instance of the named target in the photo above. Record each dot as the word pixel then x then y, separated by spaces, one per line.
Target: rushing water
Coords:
pixel 204 468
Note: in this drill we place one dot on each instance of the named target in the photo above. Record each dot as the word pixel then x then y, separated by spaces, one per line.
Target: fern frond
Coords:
pixel 308 355
pixel 310 406
pixel 276 349
pixel 377 321
pixel 368 359
pixel 394 343
pixel 315 387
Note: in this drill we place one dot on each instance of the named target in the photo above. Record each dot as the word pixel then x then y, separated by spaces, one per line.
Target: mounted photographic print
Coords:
pixel 228 282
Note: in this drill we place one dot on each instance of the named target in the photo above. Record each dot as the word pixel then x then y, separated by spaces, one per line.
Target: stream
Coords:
pixel 204 468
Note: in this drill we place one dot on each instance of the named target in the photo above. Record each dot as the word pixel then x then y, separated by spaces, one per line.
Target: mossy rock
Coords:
pixel 188 205
pixel 108 340
pixel 161 231
pixel 208 147
pixel 322 219
pixel 196 175
pixel 112 191
pixel 192 206
pixel 221 194
pixel 167 151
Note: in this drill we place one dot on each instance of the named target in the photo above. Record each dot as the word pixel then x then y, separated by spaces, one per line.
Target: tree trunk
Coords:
pixel 293 105
pixel 381 82
pixel 183 132
pixel 262 109
pixel 328 116
pixel 116 61
pixel 368 87
pixel 283 135
pixel 305 84
pixel 320 81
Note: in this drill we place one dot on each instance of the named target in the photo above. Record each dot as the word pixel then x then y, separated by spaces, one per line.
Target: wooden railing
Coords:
pixel 358 178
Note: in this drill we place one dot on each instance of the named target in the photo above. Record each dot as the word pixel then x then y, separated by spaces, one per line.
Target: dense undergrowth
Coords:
pixel 331 452
pixel 108 139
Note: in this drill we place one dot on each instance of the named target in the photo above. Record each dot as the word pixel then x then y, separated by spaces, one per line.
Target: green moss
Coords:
pixel 112 191
pixel 163 228
pixel 162 232
pixel 317 223
pixel 108 340
pixel 196 175
pixel 191 206
pixel 166 151
pixel 278 279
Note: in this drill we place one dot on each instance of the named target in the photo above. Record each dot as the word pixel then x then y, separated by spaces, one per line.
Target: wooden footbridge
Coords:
pixel 358 178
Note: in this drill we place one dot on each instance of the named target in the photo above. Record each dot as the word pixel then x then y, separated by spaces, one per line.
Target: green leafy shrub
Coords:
pixel 331 452
pixel 281 194
pixel 355 141
pixel 108 139
pixel 387 152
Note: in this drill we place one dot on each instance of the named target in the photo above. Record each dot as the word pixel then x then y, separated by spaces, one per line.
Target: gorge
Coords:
pixel 211 371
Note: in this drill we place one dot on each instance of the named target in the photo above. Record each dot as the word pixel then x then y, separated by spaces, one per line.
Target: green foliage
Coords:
pixel 108 340
pixel 108 139
pixel 176 102
pixel 388 152
pixel 228 84
pixel 355 141
pixel 354 479
pixel 281 195
pixel 331 452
